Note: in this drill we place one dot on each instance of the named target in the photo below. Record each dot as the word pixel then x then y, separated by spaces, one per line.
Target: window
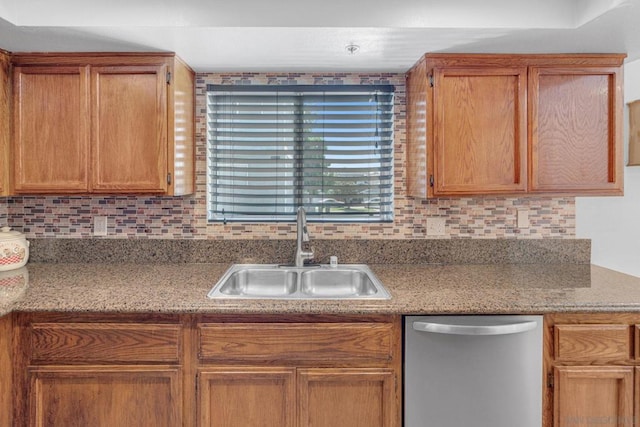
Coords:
pixel 273 149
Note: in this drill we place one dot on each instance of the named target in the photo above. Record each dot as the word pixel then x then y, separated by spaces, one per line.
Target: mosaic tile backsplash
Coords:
pixel 185 217
pixel 4 211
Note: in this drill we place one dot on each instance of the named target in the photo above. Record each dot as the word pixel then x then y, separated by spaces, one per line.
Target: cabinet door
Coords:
pixel 347 398
pixel 5 117
pixel 105 397
pixel 7 389
pixel 479 130
pixel 242 397
pixel 51 129
pixel 575 130
pixel 129 129
pixel 586 396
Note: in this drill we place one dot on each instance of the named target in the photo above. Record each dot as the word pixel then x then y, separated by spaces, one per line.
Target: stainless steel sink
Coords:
pixel 270 281
pixel 260 282
pixel 337 283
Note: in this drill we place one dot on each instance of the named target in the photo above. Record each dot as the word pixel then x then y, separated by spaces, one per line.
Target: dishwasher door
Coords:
pixel 480 371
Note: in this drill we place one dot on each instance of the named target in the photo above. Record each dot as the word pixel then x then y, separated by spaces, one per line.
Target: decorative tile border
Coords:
pixel 185 217
pixel 127 216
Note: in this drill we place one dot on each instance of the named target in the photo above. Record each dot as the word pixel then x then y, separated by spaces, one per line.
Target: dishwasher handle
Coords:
pixel 470 329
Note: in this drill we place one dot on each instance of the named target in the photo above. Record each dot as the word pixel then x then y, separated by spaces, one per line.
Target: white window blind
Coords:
pixel 327 148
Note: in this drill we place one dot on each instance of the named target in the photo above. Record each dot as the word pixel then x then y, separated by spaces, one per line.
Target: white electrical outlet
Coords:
pixel 436 226
pixel 523 219
pixel 99 225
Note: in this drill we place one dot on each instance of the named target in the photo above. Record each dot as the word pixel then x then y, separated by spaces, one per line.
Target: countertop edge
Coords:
pixel 417 289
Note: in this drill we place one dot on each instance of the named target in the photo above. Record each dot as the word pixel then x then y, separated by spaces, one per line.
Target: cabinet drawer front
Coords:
pixel 592 342
pixel 104 342
pixel 325 342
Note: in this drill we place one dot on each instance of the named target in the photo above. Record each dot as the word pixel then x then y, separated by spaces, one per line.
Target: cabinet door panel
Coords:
pixel 51 125
pixel 585 396
pixel 479 131
pixel 105 397
pixel 129 129
pixel 575 123
pixel 346 398
pixel 242 397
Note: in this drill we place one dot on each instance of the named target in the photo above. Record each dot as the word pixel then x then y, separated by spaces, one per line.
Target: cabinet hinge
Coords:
pixel 431 80
pixel 550 380
pixel 168 77
pixel 169 178
pixel 431 180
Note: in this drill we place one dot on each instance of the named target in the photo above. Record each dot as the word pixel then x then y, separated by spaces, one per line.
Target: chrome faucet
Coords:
pixel 302 236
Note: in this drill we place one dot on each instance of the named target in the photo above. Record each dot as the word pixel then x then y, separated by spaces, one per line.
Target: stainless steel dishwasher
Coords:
pixel 481 371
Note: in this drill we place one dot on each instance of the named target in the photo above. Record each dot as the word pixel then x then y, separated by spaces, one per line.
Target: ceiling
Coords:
pixel 308 36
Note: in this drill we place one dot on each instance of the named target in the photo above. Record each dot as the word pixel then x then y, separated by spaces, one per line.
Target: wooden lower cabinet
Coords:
pixel 79 370
pixel 592 364
pixel 329 371
pixel 593 395
pixel 209 371
pixel 105 396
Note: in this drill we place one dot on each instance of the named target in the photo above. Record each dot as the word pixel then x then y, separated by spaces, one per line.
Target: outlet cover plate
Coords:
pixel 99 225
pixel 436 226
pixel 523 219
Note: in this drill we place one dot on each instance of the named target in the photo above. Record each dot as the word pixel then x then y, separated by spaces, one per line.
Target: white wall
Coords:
pixel 613 223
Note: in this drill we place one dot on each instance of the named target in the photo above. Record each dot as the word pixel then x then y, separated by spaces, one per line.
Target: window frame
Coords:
pixel 298 196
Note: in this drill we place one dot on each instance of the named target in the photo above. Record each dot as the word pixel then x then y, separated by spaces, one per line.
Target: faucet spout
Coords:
pixel 302 235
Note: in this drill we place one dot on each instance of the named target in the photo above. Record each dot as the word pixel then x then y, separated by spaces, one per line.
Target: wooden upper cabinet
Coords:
pixel 514 124
pixel 129 115
pixel 479 130
pixel 103 123
pixel 51 129
pixel 575 129
pixel 5 121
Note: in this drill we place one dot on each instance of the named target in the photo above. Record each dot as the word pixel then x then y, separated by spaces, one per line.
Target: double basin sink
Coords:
pixel 271 281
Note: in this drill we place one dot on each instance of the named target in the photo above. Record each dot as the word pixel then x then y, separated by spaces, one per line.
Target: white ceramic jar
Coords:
pixel 14 249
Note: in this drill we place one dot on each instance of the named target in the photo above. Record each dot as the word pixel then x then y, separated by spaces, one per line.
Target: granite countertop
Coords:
pixel 415 289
